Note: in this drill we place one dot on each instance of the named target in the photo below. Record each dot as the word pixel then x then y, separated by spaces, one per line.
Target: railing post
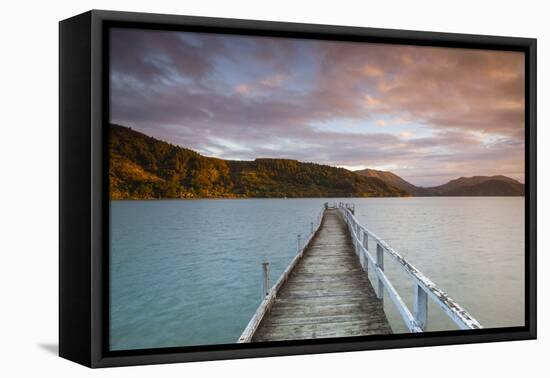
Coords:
pixel 380 263
pixel 299 242
pixel 420 307
pixel 265 284
pixel 311 224
pixel 364 257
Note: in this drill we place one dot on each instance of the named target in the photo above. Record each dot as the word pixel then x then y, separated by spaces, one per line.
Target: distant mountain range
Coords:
pixel 463 186
pixel 142 167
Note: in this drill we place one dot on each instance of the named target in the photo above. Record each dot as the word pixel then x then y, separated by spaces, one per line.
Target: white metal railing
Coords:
pixel 424 288
pixel 270 294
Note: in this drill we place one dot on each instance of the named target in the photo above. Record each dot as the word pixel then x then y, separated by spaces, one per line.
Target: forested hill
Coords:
pixel 390 178
pixel 478 186
pixel 142 167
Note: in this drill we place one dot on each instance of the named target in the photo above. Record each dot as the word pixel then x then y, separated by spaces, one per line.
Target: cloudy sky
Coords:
pixel 427 114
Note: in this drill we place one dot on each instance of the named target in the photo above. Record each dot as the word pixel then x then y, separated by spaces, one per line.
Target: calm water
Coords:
pixel 189 272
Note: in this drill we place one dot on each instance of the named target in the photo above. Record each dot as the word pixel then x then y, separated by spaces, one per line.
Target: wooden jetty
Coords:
pixel 325 291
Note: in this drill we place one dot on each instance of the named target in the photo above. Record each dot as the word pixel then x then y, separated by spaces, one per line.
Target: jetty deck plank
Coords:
pixel 327 294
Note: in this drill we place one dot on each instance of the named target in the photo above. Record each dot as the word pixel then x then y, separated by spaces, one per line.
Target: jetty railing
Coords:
pixel 424 288
pixel 271 294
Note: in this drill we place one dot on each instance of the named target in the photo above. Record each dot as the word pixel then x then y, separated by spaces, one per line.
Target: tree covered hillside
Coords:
pixel 142 167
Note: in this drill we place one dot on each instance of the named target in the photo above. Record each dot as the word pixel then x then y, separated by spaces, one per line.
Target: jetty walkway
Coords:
pixel 325 291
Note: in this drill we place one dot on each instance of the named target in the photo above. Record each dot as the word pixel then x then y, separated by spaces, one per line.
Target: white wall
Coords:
pixel 28 186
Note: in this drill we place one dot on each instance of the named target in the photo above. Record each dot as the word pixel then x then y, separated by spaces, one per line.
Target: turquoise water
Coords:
pixel 189 272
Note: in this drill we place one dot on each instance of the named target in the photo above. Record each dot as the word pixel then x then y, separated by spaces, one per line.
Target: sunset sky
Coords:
pixel 427 114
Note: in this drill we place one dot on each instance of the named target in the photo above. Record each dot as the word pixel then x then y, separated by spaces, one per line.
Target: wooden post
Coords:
pixel 311 224
pixel 265 269
pixel 380 263
pixel 299 242
pixel 420 307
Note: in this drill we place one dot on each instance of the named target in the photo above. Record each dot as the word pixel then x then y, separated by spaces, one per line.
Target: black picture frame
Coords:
pixel 84 200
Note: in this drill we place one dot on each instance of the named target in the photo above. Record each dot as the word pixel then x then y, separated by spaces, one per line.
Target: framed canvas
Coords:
pixel 234 188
